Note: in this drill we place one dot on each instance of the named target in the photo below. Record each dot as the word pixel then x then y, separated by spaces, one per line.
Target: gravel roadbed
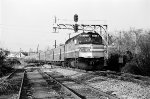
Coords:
pixel 122 89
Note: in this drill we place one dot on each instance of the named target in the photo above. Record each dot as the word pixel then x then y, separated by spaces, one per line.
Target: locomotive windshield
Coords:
pixel 92 38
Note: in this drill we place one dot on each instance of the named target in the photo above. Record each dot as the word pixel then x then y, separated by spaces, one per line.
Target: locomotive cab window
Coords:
pixel 96 39
pixel 85 35
pixel 91 38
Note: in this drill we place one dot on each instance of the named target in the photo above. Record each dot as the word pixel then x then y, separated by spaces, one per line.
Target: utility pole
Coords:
pixel 55 44
pixel 136 49
pixel 39 56
pixel 136 32
pixel 37 48
pixel 119 42
pixel 69 35
pixel 120 60
pixel 20 52
pixel 107 42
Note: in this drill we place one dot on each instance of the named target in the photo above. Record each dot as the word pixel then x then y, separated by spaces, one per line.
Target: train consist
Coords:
pixel 83 51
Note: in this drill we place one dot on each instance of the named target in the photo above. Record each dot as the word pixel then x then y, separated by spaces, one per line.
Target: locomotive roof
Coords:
pixel 78 35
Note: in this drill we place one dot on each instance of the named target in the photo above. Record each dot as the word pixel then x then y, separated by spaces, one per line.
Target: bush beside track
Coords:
pixel 6 64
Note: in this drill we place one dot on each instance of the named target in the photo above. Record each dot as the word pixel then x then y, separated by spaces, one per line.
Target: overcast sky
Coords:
pixel 26 23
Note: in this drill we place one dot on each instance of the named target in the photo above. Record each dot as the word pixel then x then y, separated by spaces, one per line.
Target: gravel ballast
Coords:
pixel 122 89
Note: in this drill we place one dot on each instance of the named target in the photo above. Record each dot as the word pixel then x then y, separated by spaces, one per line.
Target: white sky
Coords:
pixel 26 23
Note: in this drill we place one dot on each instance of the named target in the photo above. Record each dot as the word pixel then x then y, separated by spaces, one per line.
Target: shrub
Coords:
pixel 131 67
pixel 143 57
pixel 112 63
pixel 11 61
pixel 4 67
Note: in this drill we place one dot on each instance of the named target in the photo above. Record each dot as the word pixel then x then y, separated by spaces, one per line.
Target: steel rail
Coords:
pixel 95 89
pixel 10 75
pixel 21 87
pixel 67 89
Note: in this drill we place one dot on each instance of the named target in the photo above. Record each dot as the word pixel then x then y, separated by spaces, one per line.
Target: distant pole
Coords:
pixel 20 52
pixel 107 41
pixel 106 54
pixel 45 56
pixel 136 49
pixel 38 48
pixel 69 35
pixel 120 60
pixel 119 43
pixel 55 43
pixel 55 19
pixel 39 56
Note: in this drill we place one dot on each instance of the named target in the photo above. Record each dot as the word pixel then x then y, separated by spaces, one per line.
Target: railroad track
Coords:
pixel 9 76
pixel 20 93
pixel 78 90
pixel 37 84
pixel 41 87
pixel 70 93
pixel 58 84
pixel 21 83
pixel 9 85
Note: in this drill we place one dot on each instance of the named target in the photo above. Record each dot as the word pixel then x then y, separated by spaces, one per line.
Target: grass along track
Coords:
pixel 9 87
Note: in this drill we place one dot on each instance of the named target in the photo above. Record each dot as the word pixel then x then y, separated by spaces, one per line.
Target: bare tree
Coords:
pixel 143 58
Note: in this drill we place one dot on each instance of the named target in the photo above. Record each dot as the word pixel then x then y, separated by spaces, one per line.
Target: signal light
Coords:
pixel 76 27
pixel 76 18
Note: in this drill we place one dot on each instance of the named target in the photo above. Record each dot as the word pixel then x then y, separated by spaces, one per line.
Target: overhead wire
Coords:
pixel 23 28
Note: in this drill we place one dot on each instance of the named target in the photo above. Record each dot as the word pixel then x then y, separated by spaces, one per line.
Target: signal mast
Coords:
pixel 99 28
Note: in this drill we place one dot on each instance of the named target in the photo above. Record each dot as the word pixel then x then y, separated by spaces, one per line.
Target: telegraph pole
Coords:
pixel 120 42
pixel 55 43
pixel 37 48
pixel 20 52
pixel 136 49
pixel 69 35
pixel 120 60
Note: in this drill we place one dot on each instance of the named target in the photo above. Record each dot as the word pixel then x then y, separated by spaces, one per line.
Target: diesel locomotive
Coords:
pixel 83 51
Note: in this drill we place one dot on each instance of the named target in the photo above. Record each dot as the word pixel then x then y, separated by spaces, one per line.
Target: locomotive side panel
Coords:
pixel 56 54
pixel 62 52
pixel 71 50
pixel 59 53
